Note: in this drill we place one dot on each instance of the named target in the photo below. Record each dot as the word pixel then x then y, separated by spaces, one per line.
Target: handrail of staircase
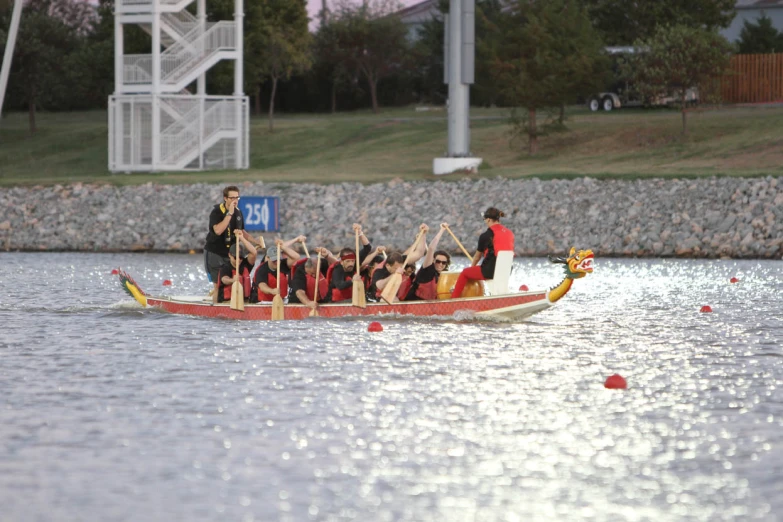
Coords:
pixel 177 145
pixel 178 60
pixel 137 68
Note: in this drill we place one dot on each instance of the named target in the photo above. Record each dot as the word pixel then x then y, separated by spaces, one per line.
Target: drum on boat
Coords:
pixel 447 280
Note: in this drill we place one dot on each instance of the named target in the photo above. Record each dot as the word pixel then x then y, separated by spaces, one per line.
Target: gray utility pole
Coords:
pixel 459 64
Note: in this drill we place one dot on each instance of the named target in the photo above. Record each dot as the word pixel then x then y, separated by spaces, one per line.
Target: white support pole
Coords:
pixel 119 56
pixel 9 51
pixel 239 79
pixel 459 138
pixel 202 23
pixel 156 91
pixel 458 71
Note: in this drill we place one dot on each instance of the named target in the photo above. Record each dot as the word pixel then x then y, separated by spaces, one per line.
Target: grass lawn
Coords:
pixel 401 143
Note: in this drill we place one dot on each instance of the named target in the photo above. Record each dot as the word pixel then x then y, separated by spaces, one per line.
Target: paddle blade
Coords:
pixel 278 312
pixel 237 297
pixel 358 298
pixel 390 290
pixel 314 312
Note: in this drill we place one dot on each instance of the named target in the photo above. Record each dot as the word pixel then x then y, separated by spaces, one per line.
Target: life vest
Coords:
pixel 405 285
pixel 323 283
pixel 428 291
pixel 244 278
pixel 272 283
pixel 503 239
pixel 323 287
pixel 338 294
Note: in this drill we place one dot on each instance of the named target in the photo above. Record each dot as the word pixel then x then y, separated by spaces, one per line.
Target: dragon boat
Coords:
pixel 503 305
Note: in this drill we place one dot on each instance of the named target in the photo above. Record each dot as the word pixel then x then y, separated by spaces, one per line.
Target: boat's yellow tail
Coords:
pixel 130 286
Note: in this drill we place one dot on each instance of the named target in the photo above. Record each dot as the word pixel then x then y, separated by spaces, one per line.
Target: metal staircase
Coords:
pixel 155 122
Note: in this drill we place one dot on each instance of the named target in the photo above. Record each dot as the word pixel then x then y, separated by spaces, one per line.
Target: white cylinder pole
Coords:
pixel 239 80
pixel 155 87
pixel 9 51
pixel 201 85
pixel 459 139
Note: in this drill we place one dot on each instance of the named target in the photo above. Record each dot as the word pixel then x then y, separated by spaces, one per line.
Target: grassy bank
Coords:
pixel 402 143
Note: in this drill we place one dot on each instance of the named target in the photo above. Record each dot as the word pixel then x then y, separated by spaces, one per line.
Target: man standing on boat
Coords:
pixel 226 222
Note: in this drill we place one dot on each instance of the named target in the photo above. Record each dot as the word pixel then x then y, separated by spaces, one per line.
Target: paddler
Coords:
pixel 229 273
pixel 425 284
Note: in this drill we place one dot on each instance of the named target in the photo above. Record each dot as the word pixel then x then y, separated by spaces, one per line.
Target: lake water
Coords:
pixel 110 412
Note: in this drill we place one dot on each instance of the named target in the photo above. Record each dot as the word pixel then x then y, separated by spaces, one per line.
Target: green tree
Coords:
pixel 285 44
pixel 622 22
pixel 371 42
pixel 546 53
pixel 676 59
pixel 760 37
pixel 329 60
pixel 50 33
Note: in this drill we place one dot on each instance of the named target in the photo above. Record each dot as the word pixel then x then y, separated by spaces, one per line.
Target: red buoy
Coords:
pixel 115 272
pixel 733 280
pixel 375 326
pixel 615 382
pixel 167 282
pixel 523 288
pixel 706 309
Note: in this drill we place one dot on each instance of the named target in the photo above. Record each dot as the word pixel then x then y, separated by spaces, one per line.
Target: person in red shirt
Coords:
pixel 495 239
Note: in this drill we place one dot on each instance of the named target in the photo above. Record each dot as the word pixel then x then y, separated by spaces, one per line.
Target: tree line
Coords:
pixel 535 56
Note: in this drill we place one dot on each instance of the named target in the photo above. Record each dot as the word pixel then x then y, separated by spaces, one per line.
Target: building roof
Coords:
pixel 419 12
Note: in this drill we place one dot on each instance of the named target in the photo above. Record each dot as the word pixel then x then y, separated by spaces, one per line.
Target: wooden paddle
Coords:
pixel 305 249
pixel 464 250
pixel 358 298
pixel 237 290
pixel 393 285
pixel 314 311
pixel 278 310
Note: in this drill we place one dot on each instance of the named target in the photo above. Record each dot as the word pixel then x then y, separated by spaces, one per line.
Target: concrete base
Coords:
pixel 451 165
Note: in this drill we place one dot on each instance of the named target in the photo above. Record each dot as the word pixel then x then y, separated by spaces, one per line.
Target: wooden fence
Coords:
pixel 754 78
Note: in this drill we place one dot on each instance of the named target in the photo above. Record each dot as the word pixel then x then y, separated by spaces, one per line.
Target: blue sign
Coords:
pixel 260 213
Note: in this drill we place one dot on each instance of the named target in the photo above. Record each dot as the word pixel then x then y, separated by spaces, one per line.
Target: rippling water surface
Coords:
pixel 110 412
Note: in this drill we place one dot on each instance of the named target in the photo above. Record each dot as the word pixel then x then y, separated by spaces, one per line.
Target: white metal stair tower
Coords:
pixel 155 123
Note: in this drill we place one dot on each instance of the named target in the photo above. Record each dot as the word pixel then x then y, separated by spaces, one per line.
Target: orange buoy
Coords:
pixel 615 382
pixel 523 288
pixel 375 326
pixel 115 272
pixel 733 280
pixel 706 309
pixel 191 251
pixel 167 282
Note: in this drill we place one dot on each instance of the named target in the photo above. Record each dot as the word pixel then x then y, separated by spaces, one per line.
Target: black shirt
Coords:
pixel 218 244
pixel 227 270
pixel 299 281
pixel 486 243
pixel 263 272
pixel 338 272
pixel 381 273
pixel 423 276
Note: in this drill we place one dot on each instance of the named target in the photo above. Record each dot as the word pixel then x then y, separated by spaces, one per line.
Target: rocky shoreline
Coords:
pixel 697 218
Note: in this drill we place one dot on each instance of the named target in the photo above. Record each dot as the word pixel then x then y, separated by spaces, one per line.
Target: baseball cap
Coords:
pixel 272 254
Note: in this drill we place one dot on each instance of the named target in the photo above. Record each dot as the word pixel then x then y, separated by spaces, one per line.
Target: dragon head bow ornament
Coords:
pixel 577 265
